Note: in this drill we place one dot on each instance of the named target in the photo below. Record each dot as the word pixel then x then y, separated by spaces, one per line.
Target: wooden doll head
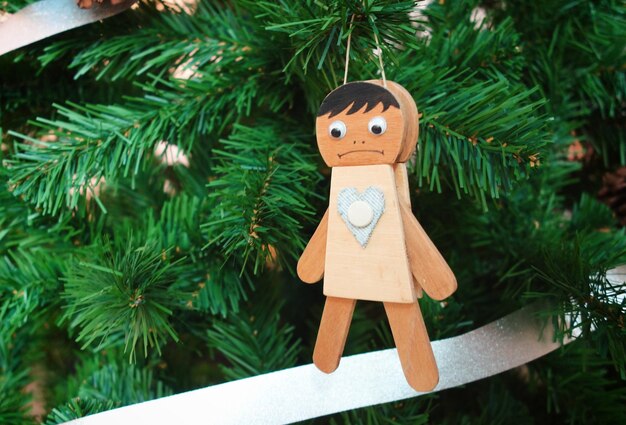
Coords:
pixel 364 123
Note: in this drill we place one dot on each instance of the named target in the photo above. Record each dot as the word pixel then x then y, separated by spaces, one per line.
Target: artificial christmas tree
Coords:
pixel 160 178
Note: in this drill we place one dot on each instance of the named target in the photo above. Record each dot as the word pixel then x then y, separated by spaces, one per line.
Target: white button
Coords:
pixel 360 214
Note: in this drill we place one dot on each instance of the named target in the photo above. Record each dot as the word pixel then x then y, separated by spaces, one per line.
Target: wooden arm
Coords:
pixel 427 264
pixel 312 261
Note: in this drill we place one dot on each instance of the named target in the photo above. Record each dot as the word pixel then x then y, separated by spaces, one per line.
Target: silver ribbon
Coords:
pixel 49 17
pixel 361 380
pixel 303 392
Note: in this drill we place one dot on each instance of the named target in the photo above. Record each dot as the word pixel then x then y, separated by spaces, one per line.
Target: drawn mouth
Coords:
pixel 360 150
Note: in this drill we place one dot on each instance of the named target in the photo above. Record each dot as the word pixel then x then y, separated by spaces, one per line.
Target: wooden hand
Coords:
pixel 311 263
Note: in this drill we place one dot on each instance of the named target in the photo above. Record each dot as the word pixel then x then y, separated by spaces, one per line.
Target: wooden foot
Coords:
pixel 416 355
pixel 331 337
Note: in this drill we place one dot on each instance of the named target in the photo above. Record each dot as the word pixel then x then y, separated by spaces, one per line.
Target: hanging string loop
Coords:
pixel 379 53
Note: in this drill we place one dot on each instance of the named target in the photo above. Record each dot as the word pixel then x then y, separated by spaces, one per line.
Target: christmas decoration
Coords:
pixel 303 393
pixel 46 18
pixel 159 177
pixel 369 246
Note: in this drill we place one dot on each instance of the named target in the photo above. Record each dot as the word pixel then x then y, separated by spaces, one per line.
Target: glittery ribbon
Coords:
pixel 303 392
pixel 49 17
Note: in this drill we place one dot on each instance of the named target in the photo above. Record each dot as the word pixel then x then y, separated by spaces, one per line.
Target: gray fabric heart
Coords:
pixel 373 197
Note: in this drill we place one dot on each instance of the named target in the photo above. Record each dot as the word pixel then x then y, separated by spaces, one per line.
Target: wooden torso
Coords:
pixel 380 270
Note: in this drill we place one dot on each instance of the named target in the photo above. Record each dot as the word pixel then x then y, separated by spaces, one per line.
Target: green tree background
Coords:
pixel 160 178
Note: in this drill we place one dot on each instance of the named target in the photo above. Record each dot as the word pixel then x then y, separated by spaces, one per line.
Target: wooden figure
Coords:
pixel 369 245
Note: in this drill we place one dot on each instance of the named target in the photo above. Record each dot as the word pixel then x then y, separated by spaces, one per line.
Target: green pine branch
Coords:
pixel 152 41
pixel 260 200
pixel 102 383
pixel 78 408
pixel 576 58
pixel 235 86
pixel 13 401
pixel 318 30
pixel 93 142
pixel 255 342
pixel 579 388
pixel 485 154
pixel 14 5
pixel 33 255
pixel 203 282
pixel 120 297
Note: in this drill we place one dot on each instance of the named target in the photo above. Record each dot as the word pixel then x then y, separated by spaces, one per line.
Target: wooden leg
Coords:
pixel 331 337
pixel 416 355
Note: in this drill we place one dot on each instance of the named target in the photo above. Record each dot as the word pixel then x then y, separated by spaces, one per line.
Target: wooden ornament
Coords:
pixel 404 195
pixel 414 349
pixel 369 246
pixel 347 127
pixel 411 120
pixel 311 264
pixel 379 271
pixel 428 267
pixel 332 334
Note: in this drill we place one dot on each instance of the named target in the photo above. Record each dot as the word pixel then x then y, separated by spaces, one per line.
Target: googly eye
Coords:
pixel 337 129
pixel 377 126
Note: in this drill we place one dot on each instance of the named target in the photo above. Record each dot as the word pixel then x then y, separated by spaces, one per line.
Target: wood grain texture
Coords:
pixel 332 334
pixel 427 264
pixel 411 120
pixel 411 338
pixel 404 196
pixel 410 116
pixel 311 263
pixel 380 271
pixel 401 176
